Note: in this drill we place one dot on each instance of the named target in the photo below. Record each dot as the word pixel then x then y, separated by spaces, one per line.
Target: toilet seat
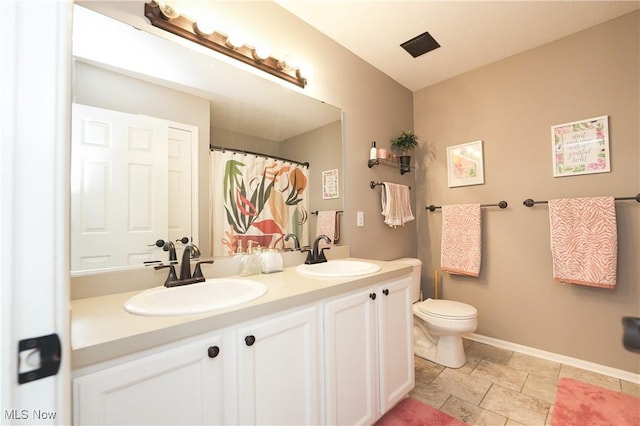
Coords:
pixel 447 309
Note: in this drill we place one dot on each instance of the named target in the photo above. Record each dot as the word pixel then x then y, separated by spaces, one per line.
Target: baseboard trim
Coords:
pixel 574 362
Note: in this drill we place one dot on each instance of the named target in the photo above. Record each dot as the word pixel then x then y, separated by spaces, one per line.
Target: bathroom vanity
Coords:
pixel 310 351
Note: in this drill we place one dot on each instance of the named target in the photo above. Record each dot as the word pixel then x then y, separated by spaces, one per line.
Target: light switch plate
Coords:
pixel 360 219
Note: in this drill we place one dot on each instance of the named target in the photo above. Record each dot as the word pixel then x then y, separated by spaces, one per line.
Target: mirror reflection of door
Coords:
pixel 125 168
pixel 182 139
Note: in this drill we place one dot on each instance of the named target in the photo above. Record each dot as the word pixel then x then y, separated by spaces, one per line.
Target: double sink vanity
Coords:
pixel 322 344
pixel 314 344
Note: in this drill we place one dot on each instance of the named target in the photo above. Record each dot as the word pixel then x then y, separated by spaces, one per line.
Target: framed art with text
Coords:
pixel 581 147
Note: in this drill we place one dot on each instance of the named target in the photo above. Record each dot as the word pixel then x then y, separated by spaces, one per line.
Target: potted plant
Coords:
pixel 406 142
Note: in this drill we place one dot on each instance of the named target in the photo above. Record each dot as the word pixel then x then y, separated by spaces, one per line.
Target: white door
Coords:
pixel 395 339
pixel 351 359
pixel 182 189
pixel 34 284
pixel 119 185
pixel 279 370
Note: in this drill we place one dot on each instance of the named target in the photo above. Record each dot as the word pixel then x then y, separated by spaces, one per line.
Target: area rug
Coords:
pixel 413 412
pixel 579 404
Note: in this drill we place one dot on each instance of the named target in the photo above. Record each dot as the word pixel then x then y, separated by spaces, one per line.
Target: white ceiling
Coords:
pixel 471 33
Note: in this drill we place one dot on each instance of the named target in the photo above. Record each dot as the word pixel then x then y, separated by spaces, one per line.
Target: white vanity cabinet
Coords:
pixel 345 358
pixel 266 371
pixel 368 352
pixel 183 385
pixel 279 369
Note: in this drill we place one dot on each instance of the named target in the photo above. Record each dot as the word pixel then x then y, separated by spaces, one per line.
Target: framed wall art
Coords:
pixel 465 164
pixel 330 184
pixel 581 147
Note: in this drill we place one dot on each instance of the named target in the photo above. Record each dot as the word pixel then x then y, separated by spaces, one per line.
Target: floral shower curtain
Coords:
pixel 256 198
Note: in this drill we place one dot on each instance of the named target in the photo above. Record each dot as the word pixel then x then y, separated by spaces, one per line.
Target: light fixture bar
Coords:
pixel 185 28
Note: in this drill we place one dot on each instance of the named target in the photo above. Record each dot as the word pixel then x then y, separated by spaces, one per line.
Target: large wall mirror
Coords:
pixel 193 96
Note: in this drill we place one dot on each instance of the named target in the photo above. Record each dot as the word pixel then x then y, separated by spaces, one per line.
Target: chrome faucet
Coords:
pixel 296 241
pixel 316 255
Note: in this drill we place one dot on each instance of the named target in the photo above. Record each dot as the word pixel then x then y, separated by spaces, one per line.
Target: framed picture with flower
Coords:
pixel 465 164
pixel 581 147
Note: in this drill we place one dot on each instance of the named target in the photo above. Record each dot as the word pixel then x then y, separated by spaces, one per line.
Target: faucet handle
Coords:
pixel 309 259
pixel 172 277
pixel 183 240
pixel 197 274
pixel 321 256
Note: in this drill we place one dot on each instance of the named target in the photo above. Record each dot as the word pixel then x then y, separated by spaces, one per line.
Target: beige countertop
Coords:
pixel 101 329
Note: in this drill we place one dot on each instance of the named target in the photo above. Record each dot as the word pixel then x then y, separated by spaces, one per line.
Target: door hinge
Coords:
pixel 38 357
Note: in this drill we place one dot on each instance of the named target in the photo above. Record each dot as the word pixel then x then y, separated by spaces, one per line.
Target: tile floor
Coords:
pixel 498 387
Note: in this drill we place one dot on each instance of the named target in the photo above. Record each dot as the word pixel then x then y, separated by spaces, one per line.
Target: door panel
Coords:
pixel 179 386
pixel 279 373
pixel 118 198
pixel 395 320
pixel 351 360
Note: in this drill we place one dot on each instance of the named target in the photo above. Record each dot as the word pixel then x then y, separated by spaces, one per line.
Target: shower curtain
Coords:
pixel 256 198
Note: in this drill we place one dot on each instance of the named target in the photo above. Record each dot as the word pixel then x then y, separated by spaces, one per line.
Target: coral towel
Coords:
pixel 396 204
pixel 461 250
pixel 584 241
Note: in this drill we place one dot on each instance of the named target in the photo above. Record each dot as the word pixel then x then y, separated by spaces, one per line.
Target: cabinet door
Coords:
pixel 279 369
pixel 178 386
pixel 395 325
pixel 351 359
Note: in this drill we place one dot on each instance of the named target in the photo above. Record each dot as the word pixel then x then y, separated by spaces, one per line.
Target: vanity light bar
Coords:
pixel 186 28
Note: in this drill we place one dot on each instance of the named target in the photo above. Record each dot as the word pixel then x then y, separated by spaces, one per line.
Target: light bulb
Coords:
pixel 304 71
pixel 204 27
pixel 262 51
pixel 284 64
pixel 169 11
pixel 235 40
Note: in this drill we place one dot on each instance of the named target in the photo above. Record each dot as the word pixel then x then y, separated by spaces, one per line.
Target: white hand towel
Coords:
pixel 396 204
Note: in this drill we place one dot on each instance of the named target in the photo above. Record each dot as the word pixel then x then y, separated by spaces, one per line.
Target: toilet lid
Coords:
pixel 447 309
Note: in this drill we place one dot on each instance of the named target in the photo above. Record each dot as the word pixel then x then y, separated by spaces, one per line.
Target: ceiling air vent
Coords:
pixel 420 45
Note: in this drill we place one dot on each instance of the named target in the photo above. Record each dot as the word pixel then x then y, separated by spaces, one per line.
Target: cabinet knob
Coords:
pixel 250 340
pixel 372 296
pixel 385 291
pixel 213 351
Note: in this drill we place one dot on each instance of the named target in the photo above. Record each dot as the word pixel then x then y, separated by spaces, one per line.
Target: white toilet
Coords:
pixel 438 325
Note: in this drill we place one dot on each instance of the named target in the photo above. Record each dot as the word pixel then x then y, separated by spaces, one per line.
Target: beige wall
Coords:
pixel 510 105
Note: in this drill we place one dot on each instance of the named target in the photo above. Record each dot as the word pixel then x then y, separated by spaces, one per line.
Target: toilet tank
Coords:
pixel 415 276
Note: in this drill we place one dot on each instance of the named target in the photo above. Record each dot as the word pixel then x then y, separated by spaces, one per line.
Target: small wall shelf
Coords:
pixel 388 163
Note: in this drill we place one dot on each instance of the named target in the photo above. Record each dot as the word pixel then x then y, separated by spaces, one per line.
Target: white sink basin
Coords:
pixel 338 268
pixel 197 298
